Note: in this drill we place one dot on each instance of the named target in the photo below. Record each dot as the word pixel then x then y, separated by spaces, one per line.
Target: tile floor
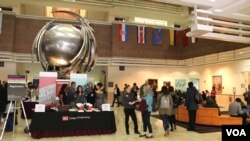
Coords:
pixel 180 135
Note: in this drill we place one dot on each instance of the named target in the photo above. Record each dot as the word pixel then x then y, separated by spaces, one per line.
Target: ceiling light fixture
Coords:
pixel 212 0
pixel 217 10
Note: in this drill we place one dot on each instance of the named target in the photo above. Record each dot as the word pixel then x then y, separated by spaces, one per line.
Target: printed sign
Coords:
pixel 40 108
pixel 16 87
pixel 47 87
pixel 80 79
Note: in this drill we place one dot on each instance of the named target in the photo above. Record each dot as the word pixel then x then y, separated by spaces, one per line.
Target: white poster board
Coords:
pixel 79 78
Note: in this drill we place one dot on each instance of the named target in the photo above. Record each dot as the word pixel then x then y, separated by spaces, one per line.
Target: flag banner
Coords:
pixel 171 37
pixel 157 36
pixel 176 34
pixel 122 32
pixel 1 20
pixel 141 36
pixel 185 38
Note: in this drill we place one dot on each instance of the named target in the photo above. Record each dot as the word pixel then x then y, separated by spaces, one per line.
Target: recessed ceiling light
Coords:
pixel 240 52
pixel 217 10
pixel 212 0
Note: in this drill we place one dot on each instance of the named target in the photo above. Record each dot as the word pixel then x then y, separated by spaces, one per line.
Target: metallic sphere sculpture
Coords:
pixel 65 48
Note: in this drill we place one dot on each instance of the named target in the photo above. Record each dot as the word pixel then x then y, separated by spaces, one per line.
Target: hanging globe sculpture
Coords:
pixel 66 48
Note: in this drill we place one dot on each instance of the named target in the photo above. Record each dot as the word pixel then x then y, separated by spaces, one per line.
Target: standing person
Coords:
pixel 80 96
pixel 247 98
pixel 128 102
pixel 63 94
pixel 164 105
pixel 90 93
pixel 146 114
pixel 100 96
pixel 155 94
pixel 175 99
pixel 72 93
pixel 3 100
pixel 142 88
pixel 192 106
pixel 116 96
pixel 213 93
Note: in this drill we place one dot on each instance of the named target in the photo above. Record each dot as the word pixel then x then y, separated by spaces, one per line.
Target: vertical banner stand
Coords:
pixel 7 116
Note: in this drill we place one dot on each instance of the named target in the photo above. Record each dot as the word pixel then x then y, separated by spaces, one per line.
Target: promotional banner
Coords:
pixel 80 79
pixel 47 87
pixel 16 87
pixel 59 83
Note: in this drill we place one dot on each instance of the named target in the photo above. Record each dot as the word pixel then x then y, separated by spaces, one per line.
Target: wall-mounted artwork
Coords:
pixel 217 83
pixel 180 84
pixel 153 82
pixel 196 82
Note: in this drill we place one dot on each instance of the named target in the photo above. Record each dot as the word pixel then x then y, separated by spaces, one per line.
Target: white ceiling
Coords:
pixel 237 9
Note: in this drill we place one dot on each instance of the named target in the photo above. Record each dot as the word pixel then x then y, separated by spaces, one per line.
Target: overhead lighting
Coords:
pixel 212 0
pixel 217 10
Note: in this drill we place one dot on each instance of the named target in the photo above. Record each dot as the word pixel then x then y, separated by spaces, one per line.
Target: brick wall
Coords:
pixel 18 35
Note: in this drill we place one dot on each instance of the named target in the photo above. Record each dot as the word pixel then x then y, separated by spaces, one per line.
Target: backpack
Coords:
pixel 198 98
pixel 143 105
pixel 175 99
pixel 165 102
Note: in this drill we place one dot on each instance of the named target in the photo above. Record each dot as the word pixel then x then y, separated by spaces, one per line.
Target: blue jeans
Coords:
pixel 165 119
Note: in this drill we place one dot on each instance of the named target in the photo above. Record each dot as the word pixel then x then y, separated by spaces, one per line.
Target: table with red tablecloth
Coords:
pixel 59 124
pixel 28 106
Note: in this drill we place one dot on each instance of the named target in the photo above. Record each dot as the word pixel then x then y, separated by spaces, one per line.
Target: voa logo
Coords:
pixel 236 132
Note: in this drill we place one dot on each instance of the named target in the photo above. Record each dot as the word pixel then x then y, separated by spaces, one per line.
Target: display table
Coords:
pixel 28 106
pixel 59 124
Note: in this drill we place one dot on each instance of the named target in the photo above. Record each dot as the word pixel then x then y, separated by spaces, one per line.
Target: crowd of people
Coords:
pixel 145 97
pixel 93 94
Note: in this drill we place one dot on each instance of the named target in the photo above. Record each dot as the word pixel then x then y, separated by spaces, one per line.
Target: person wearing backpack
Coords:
pixel 191 105
pixel 146 109
pixel 175 99
pixel 164 104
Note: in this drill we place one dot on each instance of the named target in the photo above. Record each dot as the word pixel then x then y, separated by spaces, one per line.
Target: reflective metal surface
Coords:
pixel 65 48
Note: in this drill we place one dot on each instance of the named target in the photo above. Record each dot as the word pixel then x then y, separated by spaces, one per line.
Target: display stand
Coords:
pixel 7 116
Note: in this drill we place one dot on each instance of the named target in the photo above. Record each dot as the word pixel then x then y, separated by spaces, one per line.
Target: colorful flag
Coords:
pixel 122 32
pixel 157 36
pixel 171 36
pixel 141 36
pixel 185 38
pixel 176 34
pixel 1 19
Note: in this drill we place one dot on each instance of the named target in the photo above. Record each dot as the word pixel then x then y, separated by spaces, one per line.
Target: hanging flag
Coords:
pixel 157 36
pixel 1 20
pixel 185 38
pixel 141 36
pixel 171 36
pixel 176 35
pixel 122 32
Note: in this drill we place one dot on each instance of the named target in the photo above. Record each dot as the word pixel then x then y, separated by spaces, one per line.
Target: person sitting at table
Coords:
pixel 235 110
pixel 80 96
pixel 100 96
pixel 64 95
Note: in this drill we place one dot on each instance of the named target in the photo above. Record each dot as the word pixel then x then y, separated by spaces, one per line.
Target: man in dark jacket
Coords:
pixel 3 100
pixel 128 101
pixel 192 105
pixel 116 96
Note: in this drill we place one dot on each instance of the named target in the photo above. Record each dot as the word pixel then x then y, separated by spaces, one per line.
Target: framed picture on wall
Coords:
pixel 153 82
pixel 217 83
